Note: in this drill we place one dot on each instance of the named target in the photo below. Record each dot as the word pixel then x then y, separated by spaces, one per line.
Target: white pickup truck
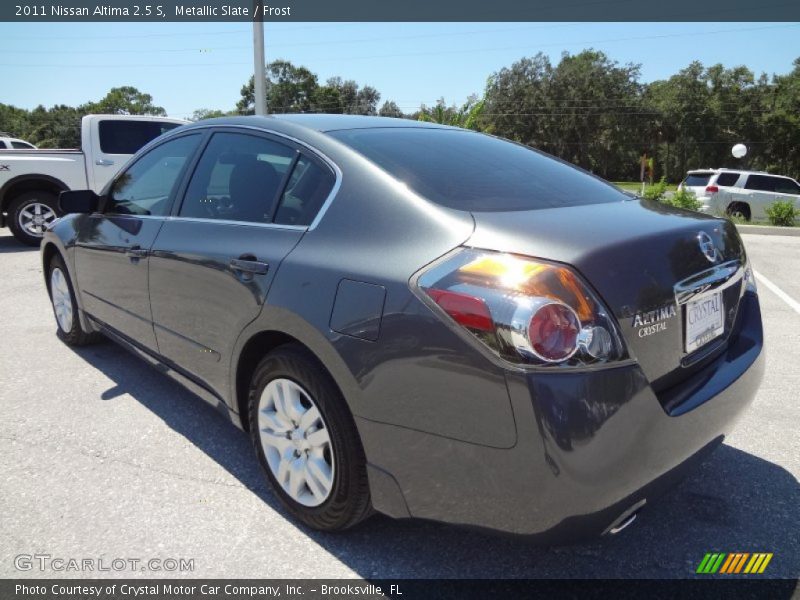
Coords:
pixel 31 180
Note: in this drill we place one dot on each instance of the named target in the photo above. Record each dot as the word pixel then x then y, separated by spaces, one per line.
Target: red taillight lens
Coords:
pixel 711 189
pixel 466 310
pixel 525 310
pixel 553 332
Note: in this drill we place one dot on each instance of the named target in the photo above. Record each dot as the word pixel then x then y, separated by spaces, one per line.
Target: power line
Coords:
pixel 290 44
pixel 158 35
pixel 408 54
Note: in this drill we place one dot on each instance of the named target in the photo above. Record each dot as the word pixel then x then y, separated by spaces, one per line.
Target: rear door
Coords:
pixel 114 141
pixel 214 260
pixel 113 245
pixel 760 192
pixel 788 189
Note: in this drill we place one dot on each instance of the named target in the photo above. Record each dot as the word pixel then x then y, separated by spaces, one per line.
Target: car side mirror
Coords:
pixel 78 201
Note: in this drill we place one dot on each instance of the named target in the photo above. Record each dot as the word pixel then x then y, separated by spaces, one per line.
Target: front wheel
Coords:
pixel 306 441
pixel 30 214
pixel 65 309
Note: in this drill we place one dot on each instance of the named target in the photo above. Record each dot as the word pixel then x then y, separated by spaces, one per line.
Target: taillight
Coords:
pixel 466 310
pixel 525 310
pixel 711 189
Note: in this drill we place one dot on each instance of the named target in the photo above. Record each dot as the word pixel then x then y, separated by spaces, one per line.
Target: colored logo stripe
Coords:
pixel 734 563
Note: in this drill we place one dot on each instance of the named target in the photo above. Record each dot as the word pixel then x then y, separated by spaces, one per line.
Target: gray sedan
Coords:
pixel 419 320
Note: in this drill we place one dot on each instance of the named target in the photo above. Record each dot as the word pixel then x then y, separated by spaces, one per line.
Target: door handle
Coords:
pixel 136 252
pixel 245 265
pixel 104 162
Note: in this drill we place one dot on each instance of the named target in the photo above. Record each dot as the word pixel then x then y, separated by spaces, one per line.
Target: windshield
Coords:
pixel 470 171
pixel 697 179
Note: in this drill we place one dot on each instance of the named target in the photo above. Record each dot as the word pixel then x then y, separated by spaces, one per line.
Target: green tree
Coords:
pixel 390 109
pixel 207 113
pixel 289 89
pixel 467 116
pixel 586 109
pixel 126 100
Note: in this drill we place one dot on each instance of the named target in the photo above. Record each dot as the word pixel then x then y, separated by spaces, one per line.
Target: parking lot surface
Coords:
pixel 102 457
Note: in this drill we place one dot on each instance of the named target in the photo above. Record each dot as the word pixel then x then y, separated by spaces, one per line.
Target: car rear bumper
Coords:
pixel 591 446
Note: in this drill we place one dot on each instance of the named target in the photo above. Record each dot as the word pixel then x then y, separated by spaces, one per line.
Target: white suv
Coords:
pixel 743 194
pixel 9 143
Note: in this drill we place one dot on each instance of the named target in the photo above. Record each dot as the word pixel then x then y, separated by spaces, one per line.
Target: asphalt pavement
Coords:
pixel 102 457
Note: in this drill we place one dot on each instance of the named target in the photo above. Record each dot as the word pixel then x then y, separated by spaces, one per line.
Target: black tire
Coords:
pixel 739 209
pixel 349 501
pixel 76 336
pixel 18 204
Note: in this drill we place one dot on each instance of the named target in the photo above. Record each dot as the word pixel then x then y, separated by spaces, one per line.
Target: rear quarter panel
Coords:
pixel 418 373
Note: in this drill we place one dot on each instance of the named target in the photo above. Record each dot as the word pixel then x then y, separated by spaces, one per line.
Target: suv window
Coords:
pixel 237 178
pixel 305 193
pixel 145 188
pixel 22 146
pixel 697 179
pixel 727 179
pixel 475 172
pixel 127 137
pixel 787 186
pixel 762 183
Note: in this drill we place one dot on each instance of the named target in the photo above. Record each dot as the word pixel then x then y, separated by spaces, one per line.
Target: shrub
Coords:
pixel 655 191
pixel 684 199
pixel 782 213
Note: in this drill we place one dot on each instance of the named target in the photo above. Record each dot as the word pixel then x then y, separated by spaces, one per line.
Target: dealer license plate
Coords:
pixel 703 321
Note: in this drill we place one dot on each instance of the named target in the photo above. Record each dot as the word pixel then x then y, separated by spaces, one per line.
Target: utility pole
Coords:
pixel 259 63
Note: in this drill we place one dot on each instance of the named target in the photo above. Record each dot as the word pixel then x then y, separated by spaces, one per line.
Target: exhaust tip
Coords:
pixel 617 528
pixel 625 519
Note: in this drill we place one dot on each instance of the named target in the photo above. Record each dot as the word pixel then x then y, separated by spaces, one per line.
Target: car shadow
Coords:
pixel 734 502
pixel 9 245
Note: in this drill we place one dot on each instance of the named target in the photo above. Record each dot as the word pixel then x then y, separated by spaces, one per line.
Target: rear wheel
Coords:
pixel 739 210
pixel 62 297
pixel 30 214
pixel 306 441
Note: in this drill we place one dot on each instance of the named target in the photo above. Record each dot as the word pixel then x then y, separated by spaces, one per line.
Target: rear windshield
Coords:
pixel 697 179
pixel 470 171
pixel 126 137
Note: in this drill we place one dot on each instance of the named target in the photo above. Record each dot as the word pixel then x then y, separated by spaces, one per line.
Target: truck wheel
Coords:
pixel 65 309
pixel 306 441
pixel 30 214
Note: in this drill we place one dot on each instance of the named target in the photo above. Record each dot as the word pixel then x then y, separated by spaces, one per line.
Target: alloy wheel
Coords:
pixel 62 301
pixel 296 442
pixel 34 218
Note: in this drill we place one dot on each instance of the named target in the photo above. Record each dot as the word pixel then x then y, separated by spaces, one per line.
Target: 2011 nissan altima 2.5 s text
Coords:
pixel 419 320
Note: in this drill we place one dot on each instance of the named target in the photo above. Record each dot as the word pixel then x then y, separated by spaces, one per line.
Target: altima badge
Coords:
pixel 707 246
pixel 653 321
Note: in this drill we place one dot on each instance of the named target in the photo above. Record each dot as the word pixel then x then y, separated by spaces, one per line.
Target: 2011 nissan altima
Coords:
pixel 419 320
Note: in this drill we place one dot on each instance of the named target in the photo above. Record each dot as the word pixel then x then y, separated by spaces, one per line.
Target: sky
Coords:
pixel 188 66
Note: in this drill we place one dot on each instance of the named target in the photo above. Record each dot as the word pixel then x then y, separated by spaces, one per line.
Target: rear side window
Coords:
pixel 22 146
pixel 727 179
pixel 475 172
pixel 787 186
pixel 237 178
pixel 308 187
pixel 697 179
pixel 127 137
pixel 762 183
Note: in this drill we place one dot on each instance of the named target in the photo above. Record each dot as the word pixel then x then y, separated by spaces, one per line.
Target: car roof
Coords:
pixel 713 170
pixel 322 122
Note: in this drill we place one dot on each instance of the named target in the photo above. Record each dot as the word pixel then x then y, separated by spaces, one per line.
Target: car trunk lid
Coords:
pixel 642 257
